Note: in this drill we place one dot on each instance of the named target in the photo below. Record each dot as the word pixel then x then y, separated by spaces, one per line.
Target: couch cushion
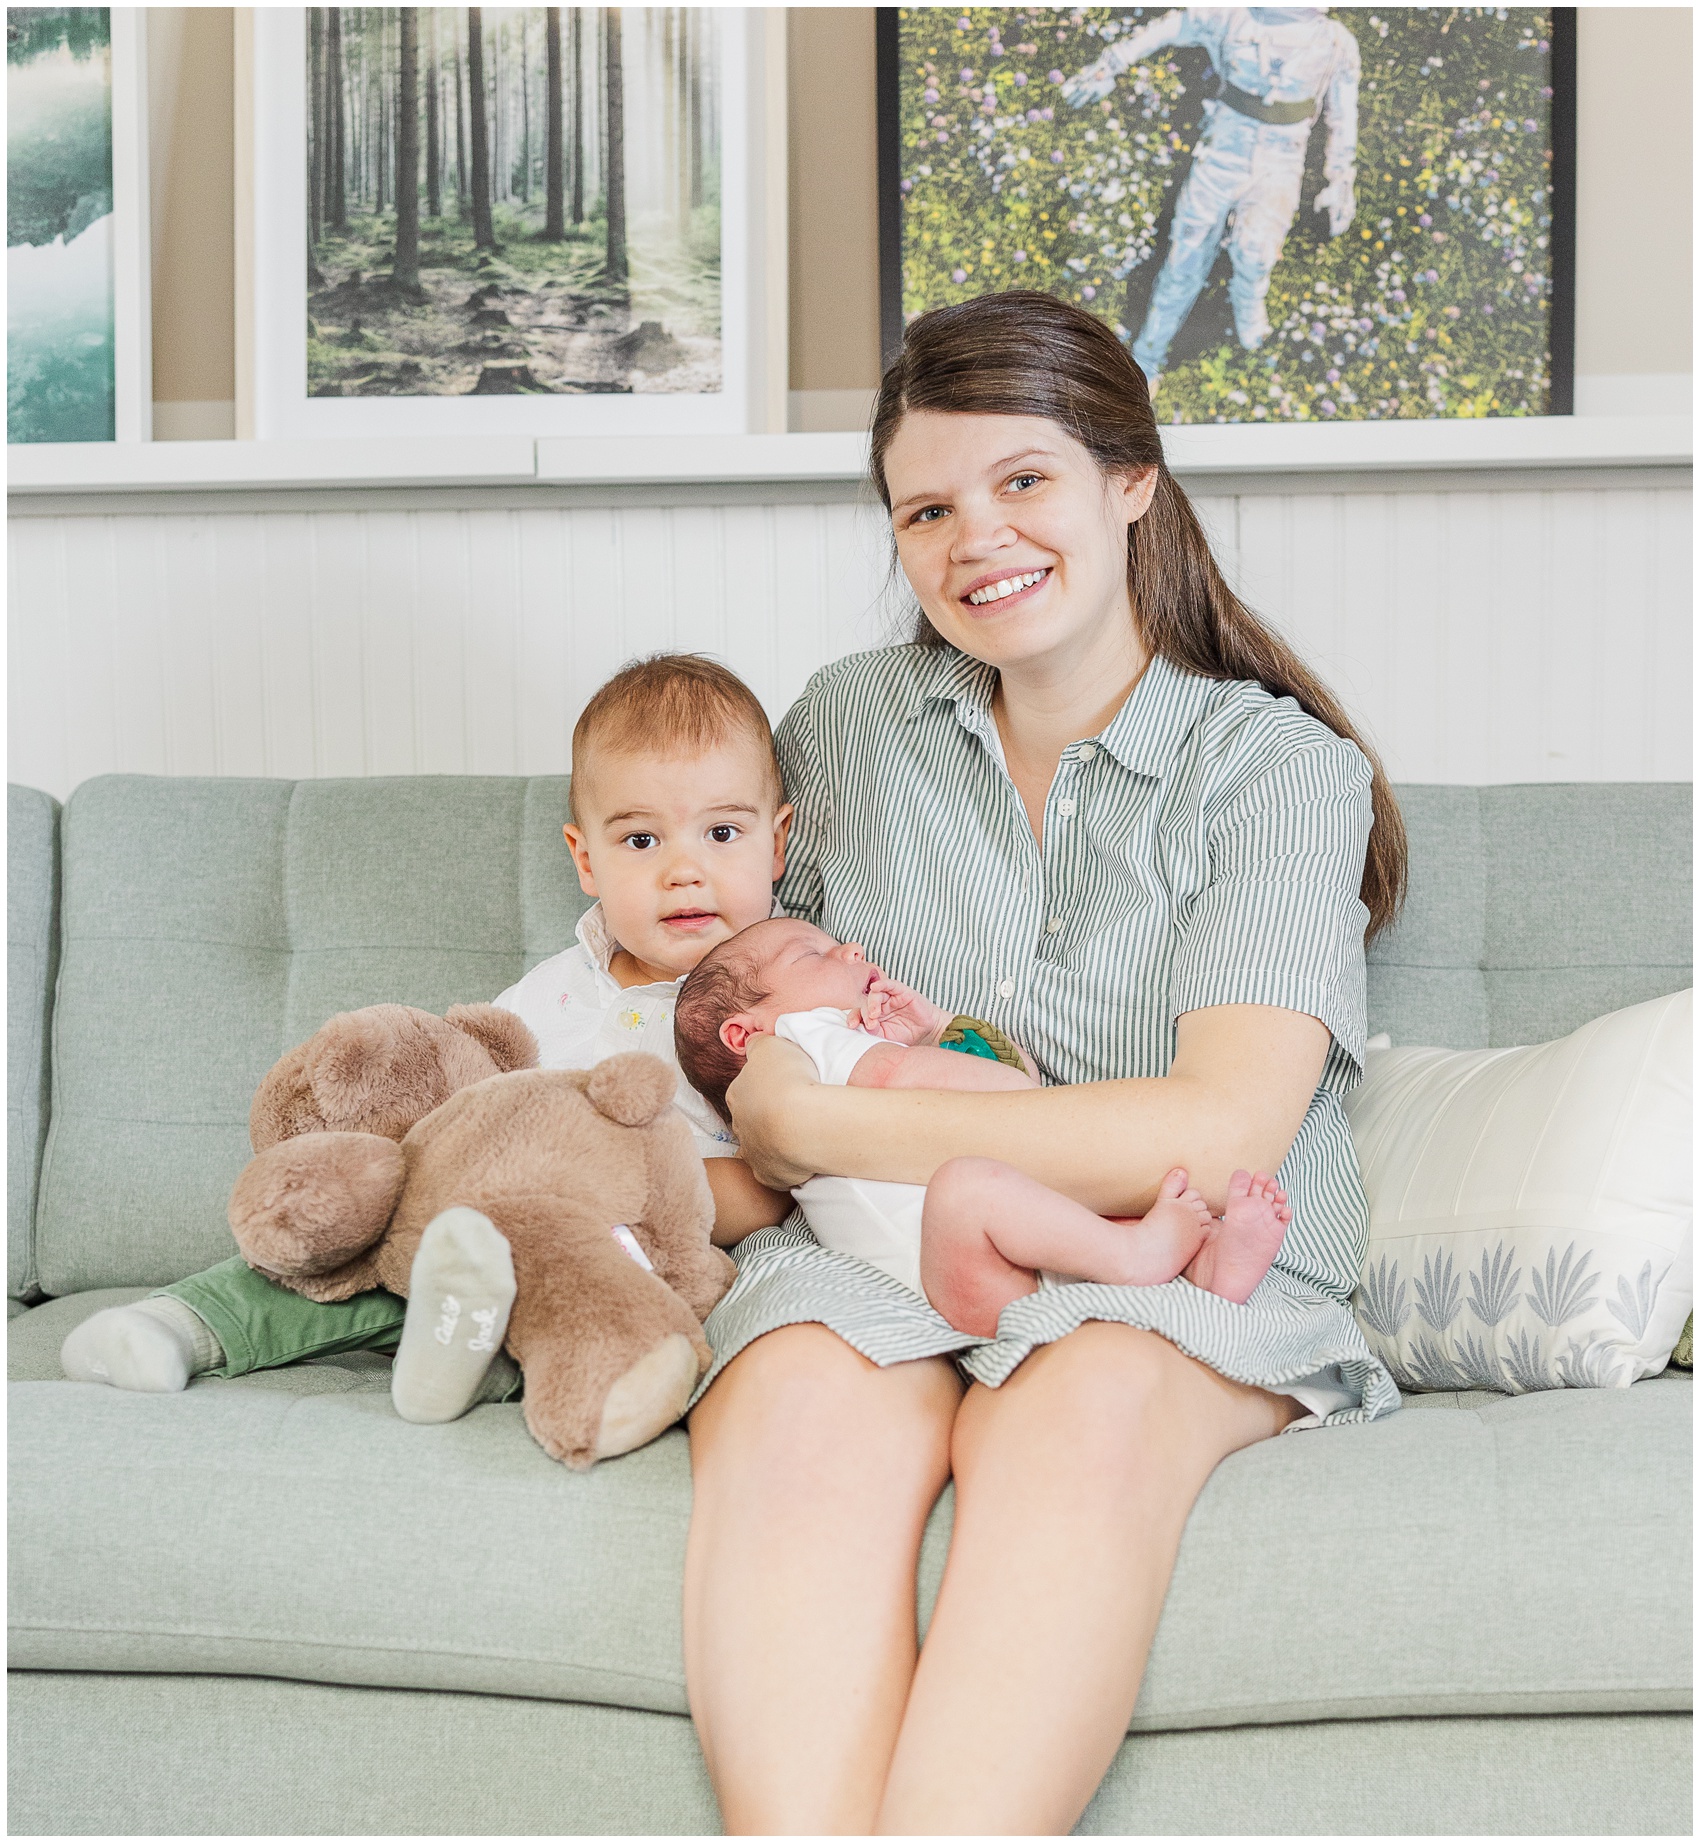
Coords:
pixel 32 954
pixel 209 925
pixel 1474 1554
pixel 1533 909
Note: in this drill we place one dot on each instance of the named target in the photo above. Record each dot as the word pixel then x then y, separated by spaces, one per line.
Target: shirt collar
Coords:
pixel 1160 712
pixel 593 936
pixel 1143 735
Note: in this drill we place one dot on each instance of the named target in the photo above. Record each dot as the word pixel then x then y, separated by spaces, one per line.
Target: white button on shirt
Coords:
pixel 1065 809
pixel 1006 988
pixel 1087 750
pixel 1054 925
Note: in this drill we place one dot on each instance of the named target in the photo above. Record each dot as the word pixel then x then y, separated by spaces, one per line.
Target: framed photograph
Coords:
pixel 526 220
pixel 79 364
pixel 1288 214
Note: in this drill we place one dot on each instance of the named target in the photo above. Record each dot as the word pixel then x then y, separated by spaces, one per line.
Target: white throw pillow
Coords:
pixel 1531 1210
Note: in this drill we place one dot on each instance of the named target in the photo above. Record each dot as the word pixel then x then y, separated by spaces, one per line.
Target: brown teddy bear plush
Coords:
pixel 387 1116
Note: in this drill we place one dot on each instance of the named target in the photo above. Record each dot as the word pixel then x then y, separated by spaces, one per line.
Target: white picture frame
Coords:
pixel 272 240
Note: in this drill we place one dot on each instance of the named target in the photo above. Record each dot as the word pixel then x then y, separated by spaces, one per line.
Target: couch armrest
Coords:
pixel 32 964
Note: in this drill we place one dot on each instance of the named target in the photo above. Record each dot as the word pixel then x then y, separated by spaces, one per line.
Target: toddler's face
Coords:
pixel 802 968
pixel 683 851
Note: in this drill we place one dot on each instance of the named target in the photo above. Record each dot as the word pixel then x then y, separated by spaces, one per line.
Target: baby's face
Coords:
pixel 801 968
pixel 683 851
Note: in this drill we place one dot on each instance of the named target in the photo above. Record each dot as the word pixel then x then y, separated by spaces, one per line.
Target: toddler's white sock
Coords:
pixel 154 1346
pixel 462 1290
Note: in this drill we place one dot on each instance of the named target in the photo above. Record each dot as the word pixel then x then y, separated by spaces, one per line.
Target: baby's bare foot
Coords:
pixel 1167 1237
pixel 1243 1248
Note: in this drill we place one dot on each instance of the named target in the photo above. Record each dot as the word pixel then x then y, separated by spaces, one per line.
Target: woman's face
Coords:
pixel 1012 539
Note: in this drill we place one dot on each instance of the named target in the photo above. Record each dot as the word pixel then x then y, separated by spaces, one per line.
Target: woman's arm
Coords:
pixel 1235 1095
pixel 741 1204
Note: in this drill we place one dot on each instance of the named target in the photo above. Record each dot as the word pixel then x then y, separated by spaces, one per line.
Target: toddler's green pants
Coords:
pixel 263 1325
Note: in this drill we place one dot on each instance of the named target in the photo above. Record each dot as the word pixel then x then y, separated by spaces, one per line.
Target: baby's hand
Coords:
pixel 901 1015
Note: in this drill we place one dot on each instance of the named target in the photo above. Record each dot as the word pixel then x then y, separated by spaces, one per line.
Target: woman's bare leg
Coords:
pixel 1073 1484
pixel 813 1472
pixel 986 1227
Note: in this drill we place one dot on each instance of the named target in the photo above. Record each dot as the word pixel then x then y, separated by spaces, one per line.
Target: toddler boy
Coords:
pixel 678 829
pixel 981 1234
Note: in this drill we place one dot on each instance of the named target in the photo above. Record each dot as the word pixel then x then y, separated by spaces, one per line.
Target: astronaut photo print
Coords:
pixel 1288 214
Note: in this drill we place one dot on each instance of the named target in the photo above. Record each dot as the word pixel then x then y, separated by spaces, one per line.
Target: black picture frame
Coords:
pixel 1562 309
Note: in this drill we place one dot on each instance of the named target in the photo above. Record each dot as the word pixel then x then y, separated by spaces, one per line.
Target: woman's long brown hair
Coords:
pixel 1029 354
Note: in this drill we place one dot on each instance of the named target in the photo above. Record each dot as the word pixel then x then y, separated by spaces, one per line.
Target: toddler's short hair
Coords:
pixel 670 703
pixel 722 984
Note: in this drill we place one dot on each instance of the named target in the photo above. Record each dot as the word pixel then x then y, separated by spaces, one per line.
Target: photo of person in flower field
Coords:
pixel 1288 214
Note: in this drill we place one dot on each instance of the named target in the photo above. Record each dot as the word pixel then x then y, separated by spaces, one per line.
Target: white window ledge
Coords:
pixel 1196 452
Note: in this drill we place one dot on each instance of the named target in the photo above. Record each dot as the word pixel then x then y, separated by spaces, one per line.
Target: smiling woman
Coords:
pixel 1100 807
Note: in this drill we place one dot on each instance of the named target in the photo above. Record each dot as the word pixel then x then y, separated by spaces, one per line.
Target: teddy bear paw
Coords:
pixel 649 1397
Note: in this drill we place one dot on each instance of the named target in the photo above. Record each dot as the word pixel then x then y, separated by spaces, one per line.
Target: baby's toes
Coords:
pixel 1174 1186
pixel 1242 1184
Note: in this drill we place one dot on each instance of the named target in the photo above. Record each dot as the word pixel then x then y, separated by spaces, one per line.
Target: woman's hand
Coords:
pixel 768 1101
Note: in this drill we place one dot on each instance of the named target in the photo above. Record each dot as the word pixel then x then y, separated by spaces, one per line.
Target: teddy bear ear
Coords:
pixel 510 1044
pixel 632 1089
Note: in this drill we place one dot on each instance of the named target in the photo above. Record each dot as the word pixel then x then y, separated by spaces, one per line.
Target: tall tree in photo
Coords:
pixel 316 140
pixel 555 172
pixel 336 177
pixel 404 272
pixel 433 121
pixel 578 115
pixel 462 194
pixel 483 229
pixel 614 265
pixel 525 106
pixel 380 111
pixel 497 110
pixel 668 19
pixel 696 57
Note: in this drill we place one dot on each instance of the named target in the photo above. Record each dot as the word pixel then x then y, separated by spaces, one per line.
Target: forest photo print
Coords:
pixel 513 201
pixel 1288 214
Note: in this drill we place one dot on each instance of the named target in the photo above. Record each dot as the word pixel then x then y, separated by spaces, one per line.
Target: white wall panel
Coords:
pixel 1514 635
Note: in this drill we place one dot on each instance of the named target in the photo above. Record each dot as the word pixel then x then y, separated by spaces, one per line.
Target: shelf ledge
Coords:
pixel 1194 451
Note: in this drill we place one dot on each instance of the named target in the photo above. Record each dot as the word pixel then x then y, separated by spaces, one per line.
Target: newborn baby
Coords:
pixel 981 1234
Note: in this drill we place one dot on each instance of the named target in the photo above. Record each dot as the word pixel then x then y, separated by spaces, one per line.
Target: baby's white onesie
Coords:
pixel 878 1223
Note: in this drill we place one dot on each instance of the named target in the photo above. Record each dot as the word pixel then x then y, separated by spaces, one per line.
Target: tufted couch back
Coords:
pixel 171 937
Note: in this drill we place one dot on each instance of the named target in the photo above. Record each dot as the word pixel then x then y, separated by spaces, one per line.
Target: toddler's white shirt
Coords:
pixel 877 1222
pixel 579 1014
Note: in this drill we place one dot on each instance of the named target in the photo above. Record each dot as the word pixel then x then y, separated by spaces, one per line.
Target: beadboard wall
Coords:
pixel 1481 633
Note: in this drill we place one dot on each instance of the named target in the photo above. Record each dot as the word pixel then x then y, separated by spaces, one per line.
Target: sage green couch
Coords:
pixel 268 1605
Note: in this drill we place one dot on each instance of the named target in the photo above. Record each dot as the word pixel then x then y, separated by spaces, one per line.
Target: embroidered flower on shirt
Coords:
pixel 631 1020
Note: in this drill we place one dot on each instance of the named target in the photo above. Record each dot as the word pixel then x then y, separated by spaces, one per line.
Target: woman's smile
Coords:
pixel 990 590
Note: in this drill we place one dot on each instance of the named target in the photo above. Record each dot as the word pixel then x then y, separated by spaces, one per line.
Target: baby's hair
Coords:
pixel 722 985
pixel 670 704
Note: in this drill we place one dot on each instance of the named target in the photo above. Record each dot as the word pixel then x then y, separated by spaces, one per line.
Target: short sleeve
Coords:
pixel 1280 921
pixel 801 892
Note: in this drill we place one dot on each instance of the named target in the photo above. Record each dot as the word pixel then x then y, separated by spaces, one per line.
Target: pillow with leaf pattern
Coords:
pixel 1531 1210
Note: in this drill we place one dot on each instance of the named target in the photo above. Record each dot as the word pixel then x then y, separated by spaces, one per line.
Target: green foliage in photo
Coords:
pixel 1435 302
